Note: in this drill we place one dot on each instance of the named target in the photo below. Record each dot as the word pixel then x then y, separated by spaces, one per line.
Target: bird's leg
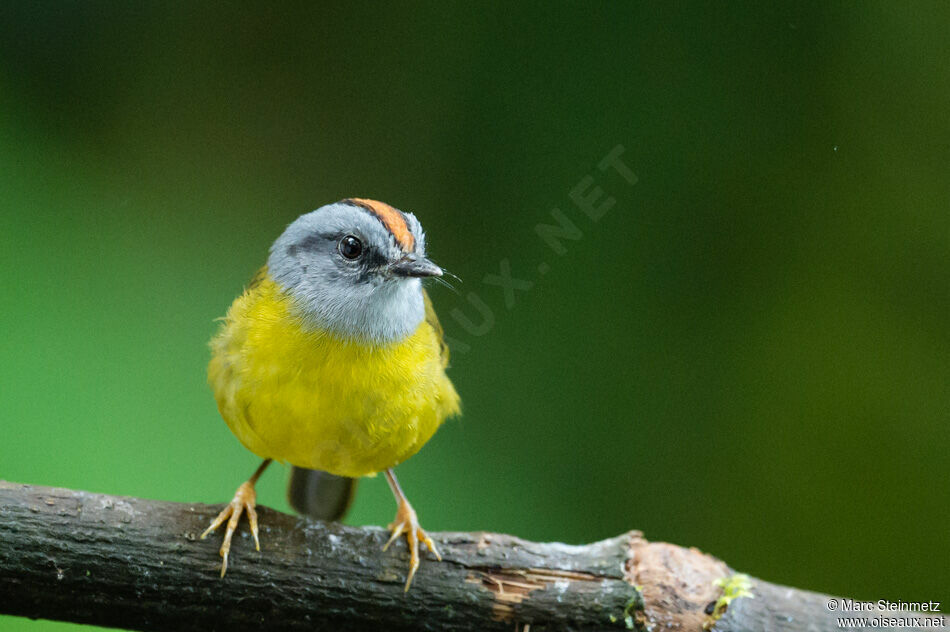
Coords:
pixel 407 523
pixel 245 498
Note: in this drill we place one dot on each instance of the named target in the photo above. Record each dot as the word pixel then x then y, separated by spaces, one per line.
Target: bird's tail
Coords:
pixel 320 495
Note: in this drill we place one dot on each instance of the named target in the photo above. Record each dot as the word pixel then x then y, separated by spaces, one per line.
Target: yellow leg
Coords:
pixel 244 499
pixel 407 523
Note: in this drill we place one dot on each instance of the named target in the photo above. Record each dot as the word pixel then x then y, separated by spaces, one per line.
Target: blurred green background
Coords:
pixel 748 353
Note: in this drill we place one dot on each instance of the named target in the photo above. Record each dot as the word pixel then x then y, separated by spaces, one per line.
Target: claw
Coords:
pixel 397 531
pixel 244 499
pixel 406 522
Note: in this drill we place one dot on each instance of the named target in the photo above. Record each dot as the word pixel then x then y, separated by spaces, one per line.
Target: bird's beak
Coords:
pixel 412 266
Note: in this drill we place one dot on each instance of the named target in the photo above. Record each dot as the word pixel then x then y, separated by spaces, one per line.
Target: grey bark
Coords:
pixel 138 564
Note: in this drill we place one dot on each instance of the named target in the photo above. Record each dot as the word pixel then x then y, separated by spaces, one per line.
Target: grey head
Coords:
pixel 354 268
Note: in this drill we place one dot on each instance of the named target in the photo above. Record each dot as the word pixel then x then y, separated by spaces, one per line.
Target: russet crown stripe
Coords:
pixel 392 219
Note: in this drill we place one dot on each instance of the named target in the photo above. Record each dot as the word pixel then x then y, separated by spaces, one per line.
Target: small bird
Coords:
pixel 333 360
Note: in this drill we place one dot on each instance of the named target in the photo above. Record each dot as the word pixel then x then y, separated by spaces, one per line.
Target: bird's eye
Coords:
pixel 351 247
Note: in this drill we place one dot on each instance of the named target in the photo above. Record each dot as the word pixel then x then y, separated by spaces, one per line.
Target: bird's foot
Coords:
pixel 244 499
pixel 407 523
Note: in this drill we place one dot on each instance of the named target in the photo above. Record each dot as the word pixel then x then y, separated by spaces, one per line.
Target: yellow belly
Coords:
pixel 312 400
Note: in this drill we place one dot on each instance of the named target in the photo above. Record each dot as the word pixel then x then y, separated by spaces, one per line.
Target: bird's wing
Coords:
pixel 259 276
pixel 433 321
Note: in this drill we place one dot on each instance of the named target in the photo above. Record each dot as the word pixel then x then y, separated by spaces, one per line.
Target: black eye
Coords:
pixel 351 247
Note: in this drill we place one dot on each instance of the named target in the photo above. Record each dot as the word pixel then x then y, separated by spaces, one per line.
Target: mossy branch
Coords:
pixel 137 564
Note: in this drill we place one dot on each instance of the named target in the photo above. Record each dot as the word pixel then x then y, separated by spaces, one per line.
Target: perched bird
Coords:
pixel 333 361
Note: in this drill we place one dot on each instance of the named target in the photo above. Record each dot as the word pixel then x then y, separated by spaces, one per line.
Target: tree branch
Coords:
pixel 137 564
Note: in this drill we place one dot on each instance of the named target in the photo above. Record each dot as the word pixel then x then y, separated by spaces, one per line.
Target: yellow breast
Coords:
pixel 313 400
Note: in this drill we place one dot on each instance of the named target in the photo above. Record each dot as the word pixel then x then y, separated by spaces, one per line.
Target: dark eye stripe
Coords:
pixel 311 242
pixel 370 261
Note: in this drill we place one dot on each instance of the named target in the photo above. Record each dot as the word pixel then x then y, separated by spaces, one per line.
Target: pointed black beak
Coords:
pixel 411 266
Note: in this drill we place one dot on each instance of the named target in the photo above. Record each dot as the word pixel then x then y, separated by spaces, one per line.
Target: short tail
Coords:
pixel 320 495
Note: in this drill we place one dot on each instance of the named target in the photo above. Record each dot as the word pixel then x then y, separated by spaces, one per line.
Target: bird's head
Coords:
pixel 353 268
